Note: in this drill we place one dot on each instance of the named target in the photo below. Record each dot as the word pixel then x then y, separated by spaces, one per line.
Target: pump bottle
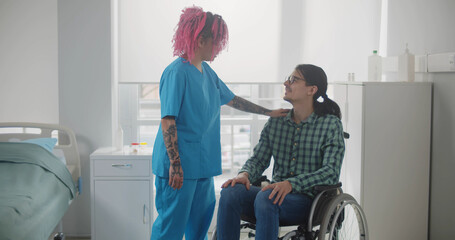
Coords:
pixel 406 66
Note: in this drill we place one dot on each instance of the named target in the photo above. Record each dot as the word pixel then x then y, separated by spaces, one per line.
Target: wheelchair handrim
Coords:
pixel 361 221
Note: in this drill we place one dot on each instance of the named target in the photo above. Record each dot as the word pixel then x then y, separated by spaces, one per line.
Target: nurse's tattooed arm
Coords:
pixel 247 106
pixel 169 130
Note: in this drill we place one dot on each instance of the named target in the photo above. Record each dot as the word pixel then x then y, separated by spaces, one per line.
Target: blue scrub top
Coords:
pixel 194 99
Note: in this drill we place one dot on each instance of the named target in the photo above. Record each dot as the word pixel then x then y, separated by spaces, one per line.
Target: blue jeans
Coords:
pixel 236 201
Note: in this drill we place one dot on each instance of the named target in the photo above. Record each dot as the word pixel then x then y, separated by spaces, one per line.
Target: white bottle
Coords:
pixel 119 139
pixel 375 67
pixel 406 66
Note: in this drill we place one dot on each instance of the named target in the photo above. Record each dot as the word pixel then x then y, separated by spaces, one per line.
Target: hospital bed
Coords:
pixel 37 185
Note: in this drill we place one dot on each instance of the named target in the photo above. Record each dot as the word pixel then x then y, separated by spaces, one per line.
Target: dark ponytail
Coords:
pixel 315 76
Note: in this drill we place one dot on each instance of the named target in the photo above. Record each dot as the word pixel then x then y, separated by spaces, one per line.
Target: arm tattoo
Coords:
pixel 172 147
pixel 170 141
pixel 247 106
pixel 176 167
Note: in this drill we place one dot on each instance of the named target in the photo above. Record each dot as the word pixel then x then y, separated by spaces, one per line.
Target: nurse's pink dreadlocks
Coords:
pixel 194 22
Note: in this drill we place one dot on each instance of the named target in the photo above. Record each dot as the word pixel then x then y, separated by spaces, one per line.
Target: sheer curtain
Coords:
pixel 145 29
pixel 267 37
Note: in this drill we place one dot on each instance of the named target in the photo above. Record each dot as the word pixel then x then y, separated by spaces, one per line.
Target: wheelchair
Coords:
pixel 334 215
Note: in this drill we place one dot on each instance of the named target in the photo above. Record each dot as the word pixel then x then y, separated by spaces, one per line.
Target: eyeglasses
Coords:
pixel 292 79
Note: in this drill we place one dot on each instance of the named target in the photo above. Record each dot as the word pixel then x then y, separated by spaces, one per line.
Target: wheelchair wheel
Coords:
pixel 344 219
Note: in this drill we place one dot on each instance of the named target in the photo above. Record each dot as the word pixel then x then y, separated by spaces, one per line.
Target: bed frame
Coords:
pixel 66 141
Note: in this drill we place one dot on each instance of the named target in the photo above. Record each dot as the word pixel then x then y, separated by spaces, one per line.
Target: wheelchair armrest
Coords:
pixel 321 188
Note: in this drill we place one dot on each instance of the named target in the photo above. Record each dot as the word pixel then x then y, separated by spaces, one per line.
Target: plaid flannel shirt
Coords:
pixel 305 154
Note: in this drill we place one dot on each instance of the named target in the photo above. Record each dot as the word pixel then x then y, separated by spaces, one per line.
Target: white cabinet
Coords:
pixel 387 162
pixel 121 195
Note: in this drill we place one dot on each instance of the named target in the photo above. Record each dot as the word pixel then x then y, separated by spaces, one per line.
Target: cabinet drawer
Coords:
pixel 122 168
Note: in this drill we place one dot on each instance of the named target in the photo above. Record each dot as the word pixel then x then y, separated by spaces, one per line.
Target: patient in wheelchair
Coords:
pixel 307 147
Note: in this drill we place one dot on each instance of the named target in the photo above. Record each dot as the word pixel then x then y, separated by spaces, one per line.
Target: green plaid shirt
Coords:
pixel 305 154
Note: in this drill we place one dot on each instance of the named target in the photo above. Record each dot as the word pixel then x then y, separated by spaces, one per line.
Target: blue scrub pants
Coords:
pixel 188 210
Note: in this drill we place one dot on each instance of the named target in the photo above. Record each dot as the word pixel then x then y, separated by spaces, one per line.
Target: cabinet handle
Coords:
pixel 144 215
pixel 123 165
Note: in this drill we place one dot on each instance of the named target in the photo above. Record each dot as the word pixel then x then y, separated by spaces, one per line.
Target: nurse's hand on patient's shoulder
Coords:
pixel 278 112
pixel 176 175
pixel 242 178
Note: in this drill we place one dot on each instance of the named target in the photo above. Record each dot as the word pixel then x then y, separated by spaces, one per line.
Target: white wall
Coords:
pixel 84 45
pixel 339 35
pixel 55 68
pixel 427 25
pixel 28 61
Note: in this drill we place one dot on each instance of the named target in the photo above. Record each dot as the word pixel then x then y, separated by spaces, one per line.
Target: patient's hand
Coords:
pixel 280 189
pixel 242 178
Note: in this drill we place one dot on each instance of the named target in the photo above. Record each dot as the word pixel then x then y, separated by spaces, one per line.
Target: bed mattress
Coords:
pixel 36 189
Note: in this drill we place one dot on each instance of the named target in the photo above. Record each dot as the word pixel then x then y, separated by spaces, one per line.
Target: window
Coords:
pixel 139 116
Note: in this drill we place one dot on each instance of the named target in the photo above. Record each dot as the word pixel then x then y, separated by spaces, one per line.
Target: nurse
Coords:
pixel 187 150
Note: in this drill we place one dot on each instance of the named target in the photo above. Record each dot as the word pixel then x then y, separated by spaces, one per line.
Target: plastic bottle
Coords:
pixel 119 139
pixel 134 148
pixel 351 77
pixel 406 66
pixel 375 67
pixel 142 146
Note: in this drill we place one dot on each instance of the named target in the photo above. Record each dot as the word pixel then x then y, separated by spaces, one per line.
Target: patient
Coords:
pixel 307 146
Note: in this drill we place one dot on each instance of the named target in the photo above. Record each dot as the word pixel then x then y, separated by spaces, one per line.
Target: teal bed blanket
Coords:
pixel 36 189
